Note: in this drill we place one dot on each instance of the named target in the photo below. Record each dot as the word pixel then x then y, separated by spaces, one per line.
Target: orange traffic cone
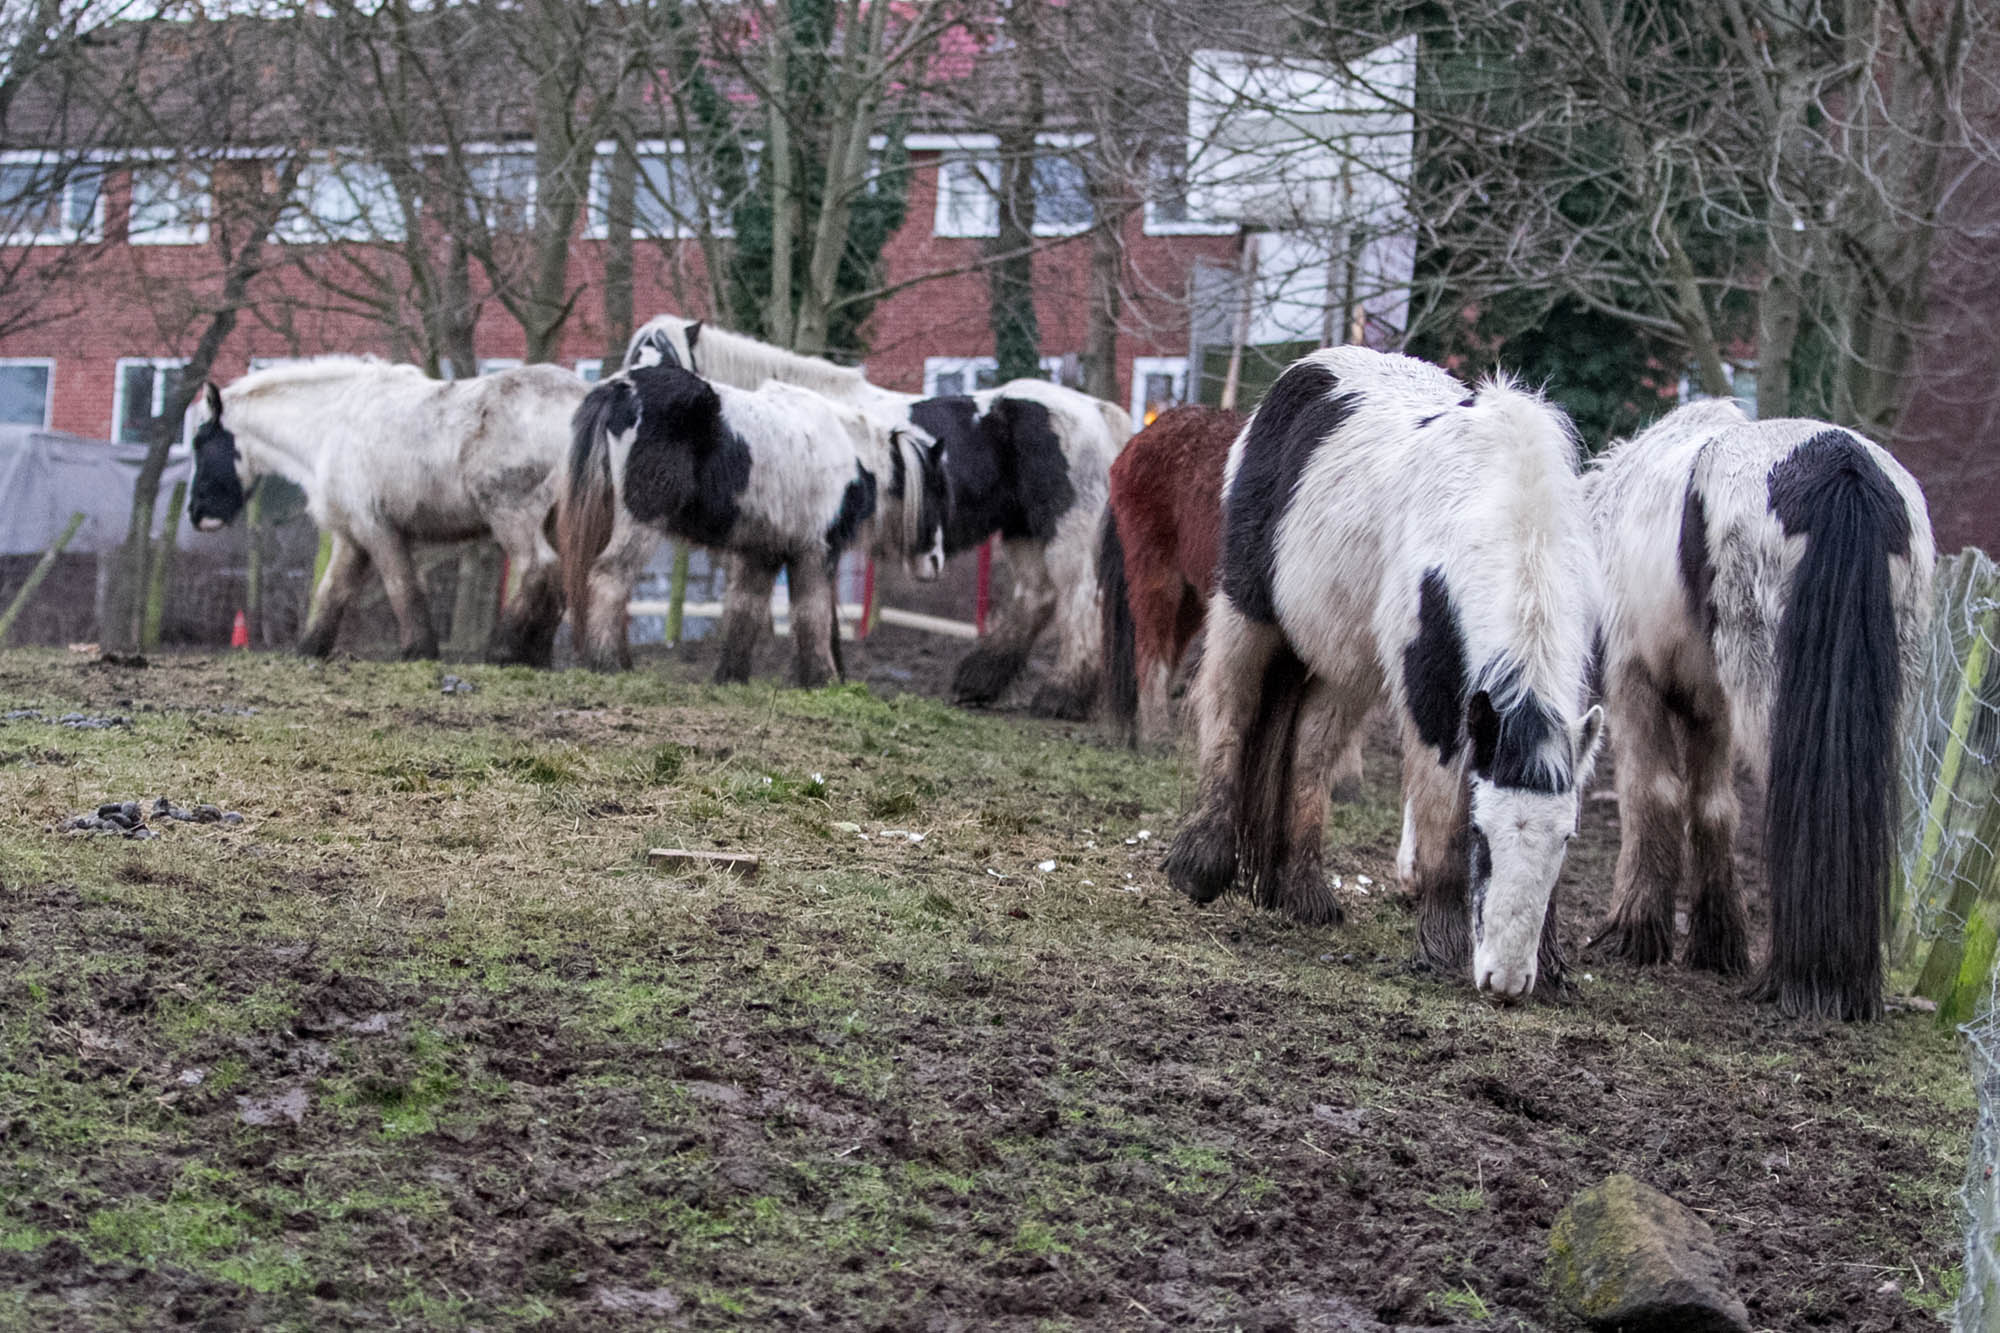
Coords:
pixel 239 633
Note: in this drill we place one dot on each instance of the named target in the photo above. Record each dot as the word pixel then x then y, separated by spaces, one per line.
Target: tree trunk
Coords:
pixel 1107 264
pixel 620 210
pixel 1010 276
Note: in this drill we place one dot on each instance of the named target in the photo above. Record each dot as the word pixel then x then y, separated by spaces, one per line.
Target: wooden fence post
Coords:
pixel 161 573
pixel 36 576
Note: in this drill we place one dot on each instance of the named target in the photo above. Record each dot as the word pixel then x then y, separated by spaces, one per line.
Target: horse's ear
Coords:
pixel 1482 725
pixel 211 398
pixel 1589 735
pixel 693 336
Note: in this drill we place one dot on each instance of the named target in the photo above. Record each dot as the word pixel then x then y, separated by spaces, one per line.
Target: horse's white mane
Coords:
pixel 318 370
pixel 738 359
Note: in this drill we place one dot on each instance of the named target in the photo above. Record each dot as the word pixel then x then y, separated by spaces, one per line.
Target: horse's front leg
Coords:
pixel 746 614
pixel 346 568
pixel 990 667
pixel 405 590
pixel 1202 861
pixel 813 623
pixel 1436 812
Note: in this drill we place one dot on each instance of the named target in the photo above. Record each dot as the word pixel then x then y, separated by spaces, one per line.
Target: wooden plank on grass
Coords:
pixel 743 865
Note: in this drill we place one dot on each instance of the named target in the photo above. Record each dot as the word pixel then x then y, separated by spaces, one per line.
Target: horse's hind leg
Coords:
pixel 1154 611
pixel 346 568
pixel 528 623
pixel 1652 818
pixel 989 668
pixel 1434 808
pixel 1328 732
pixel 813 662
pixel 1718 935
pixel 405 589
pixel 1227 688
pixel 746 612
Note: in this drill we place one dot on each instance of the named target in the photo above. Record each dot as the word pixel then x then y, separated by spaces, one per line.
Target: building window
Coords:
pixel 669 203
pixel 503 184
pixel 590 369
pixel 1167 199
pixel 170 205
pixel 139 399
pixel 968 202
pixel 24 391
pixel 1062 198
pixel 49 203
pixel 946 376
pixel 342 199
pixel 1158 383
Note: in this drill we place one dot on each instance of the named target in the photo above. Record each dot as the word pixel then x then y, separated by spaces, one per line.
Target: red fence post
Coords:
pixel 985 585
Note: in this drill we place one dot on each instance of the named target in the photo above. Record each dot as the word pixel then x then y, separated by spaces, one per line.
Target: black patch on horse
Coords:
pixel 1697 569
pixel 1434 670
pixel 1004 468
pixel 1800 481
pixel 1514 748
pixel 217 490
pixel 1425 421
pixel 686 470
pixel 1296 417
pixel 857 506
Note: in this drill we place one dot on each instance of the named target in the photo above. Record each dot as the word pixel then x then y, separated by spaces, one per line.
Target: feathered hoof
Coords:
pixel 316 644
pixel 421 651
pixel 1066 703
pixel 1202 861
pixel 983 677
pixel 1717 950
pixel 1308 899
pixel 1444 946
pixel 1647 943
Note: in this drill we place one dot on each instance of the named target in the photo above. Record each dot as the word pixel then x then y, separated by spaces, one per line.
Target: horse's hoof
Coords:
pixel 1646 943
pixel 983 677
pixel 1063 703
pixel 420 652
pixel 1717 951
pixel 1309 900
pixel 1202 861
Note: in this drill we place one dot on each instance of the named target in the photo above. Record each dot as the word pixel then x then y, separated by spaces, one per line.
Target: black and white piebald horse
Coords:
pixel 388 456
pixel 1027 461
pixel 780 477
pixel 1769 593
pixel 1385 532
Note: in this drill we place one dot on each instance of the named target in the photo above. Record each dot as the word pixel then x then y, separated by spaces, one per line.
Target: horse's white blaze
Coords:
pixel 209 525
pixel 1526 835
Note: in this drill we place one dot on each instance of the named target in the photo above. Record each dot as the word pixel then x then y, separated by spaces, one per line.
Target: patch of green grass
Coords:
pixel 1455 1202
pixel 1460 1303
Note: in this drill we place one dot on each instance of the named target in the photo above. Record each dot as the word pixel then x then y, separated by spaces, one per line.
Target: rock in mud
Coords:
pixel 1624 1256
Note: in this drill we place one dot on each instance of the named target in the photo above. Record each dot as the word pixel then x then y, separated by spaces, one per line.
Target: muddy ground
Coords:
pixel 422 1043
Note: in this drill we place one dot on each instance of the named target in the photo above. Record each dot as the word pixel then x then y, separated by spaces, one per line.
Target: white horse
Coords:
pixel 388 456
pixel 781 477
pixel 1770 590
pixel 1385 533
pixel 1027 461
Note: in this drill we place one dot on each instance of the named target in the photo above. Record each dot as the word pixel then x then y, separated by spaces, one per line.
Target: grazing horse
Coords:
pixel 1026 461
pixel 781 477
pixel 1384 531
pixel 388 456
pixel 1770 590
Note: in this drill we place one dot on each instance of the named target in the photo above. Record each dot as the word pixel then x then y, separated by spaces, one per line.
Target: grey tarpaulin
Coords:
pixel 45 476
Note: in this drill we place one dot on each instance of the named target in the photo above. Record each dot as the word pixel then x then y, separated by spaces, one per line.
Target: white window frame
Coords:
pixel 1142 366
pixel 298 226
pixel 201 204
pixel 945 221
pixel 49 393
pixel 157 363
pixel 597 227
pixel 493 365
pixel 1051 229
pixel 482 166
pixel 66 234
pixel 590 369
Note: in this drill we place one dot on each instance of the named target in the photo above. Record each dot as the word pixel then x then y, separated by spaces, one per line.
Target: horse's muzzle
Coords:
pixel 210 524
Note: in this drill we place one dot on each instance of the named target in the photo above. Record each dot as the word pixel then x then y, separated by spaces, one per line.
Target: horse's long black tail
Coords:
pixel 1831 798
pixel 584 505
pixel 1114 601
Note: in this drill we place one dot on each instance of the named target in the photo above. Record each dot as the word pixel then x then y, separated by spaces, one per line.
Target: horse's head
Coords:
pixel 1528 772
pixel 220 485
pixel 665 341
